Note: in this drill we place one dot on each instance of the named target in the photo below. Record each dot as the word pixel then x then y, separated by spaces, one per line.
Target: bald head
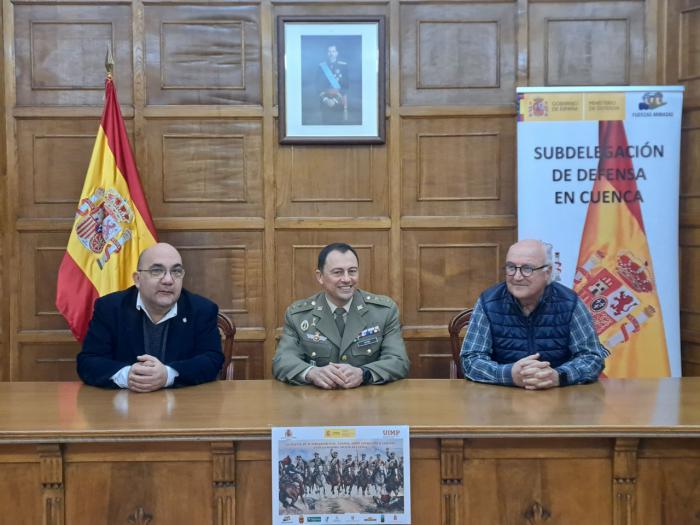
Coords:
pixel 531 247
pixel 157 249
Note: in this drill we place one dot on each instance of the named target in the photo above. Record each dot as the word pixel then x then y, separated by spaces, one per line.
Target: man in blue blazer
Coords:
pixel 154 334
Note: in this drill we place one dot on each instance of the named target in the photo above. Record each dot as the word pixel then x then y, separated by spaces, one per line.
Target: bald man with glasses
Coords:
pixel 154 334
pixel 530 331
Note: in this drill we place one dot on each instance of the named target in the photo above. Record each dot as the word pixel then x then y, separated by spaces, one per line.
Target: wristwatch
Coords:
pixel 563 378
pixel 366 376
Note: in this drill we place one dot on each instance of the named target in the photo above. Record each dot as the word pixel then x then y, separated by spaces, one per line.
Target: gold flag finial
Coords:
pixel 109 62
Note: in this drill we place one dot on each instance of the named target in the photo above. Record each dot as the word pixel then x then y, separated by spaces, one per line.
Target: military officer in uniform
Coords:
pixel 301 466
pixel 392 465
pixel 317 463
pixel 334 461
pixel 342 337
pixel 363 463
pixel 332 82
pixel 378 465
pixel 349 464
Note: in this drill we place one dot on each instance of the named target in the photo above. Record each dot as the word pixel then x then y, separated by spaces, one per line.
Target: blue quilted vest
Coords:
pixel 546 330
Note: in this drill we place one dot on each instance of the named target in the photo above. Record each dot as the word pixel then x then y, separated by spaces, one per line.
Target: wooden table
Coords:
pixel 619 451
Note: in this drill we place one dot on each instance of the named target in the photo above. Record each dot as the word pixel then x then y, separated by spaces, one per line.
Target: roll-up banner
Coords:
pixel 598 178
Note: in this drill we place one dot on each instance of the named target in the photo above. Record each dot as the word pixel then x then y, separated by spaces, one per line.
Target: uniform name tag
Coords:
pixel 367 342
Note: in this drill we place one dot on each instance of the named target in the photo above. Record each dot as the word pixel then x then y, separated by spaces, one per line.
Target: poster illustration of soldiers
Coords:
pixel 341 475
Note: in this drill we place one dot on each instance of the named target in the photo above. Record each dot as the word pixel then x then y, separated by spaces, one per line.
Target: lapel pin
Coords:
pixel 184 319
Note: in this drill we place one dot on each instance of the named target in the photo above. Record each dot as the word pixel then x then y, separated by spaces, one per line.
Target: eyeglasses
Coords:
pixel 158 272
pixel 526 270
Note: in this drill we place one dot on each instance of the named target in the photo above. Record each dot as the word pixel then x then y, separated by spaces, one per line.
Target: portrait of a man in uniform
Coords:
pixel 331 80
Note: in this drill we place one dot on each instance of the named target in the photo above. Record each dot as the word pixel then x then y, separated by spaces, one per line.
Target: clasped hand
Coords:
pixel 147 374
pixel 532 374
pixel 335 375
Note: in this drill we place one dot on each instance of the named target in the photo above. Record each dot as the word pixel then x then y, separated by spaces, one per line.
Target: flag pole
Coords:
pixel 109 63
pixel 113 224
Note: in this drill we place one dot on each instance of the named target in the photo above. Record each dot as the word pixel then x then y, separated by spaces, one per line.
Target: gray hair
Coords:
pixel 549 261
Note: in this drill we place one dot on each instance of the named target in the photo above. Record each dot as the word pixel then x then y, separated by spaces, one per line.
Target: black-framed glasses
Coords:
pixel 526 270
pixel 158 272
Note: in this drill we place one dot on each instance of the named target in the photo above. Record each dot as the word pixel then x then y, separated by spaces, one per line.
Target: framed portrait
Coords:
pixel 331 80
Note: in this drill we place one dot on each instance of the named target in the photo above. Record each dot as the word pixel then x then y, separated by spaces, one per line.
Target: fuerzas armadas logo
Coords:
pixel 652 100
pixel 650 104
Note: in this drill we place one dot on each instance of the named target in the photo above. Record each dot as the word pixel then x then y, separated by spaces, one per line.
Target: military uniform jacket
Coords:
pixel 372 338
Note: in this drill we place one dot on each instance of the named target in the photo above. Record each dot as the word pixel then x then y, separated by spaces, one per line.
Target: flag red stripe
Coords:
pixel 612 134
pixel 113 126
pixel 75 296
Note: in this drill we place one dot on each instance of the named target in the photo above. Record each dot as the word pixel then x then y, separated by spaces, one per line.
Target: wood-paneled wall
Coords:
pixel 683 66
pixel 431 212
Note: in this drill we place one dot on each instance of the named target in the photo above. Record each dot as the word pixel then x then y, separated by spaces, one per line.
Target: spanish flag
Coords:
pixel 614 274
pixel 112 224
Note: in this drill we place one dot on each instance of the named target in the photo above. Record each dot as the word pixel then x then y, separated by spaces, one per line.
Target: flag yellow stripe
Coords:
pixel 116 274
pixel 613 229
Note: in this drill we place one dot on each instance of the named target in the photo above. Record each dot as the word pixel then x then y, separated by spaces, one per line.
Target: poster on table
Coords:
pixel 341 475
pixel 598 178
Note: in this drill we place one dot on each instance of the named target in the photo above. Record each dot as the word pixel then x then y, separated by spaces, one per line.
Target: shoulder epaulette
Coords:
pixel 381 300
pixel 301 306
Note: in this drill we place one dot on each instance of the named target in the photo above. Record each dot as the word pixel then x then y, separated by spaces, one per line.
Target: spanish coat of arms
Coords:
pixel 102 222
pixel 614 295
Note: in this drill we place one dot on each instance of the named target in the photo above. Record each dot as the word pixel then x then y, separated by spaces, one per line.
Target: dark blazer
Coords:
pixel 115 338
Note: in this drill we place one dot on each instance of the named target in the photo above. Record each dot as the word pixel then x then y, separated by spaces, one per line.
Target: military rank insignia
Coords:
pixel 369 331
